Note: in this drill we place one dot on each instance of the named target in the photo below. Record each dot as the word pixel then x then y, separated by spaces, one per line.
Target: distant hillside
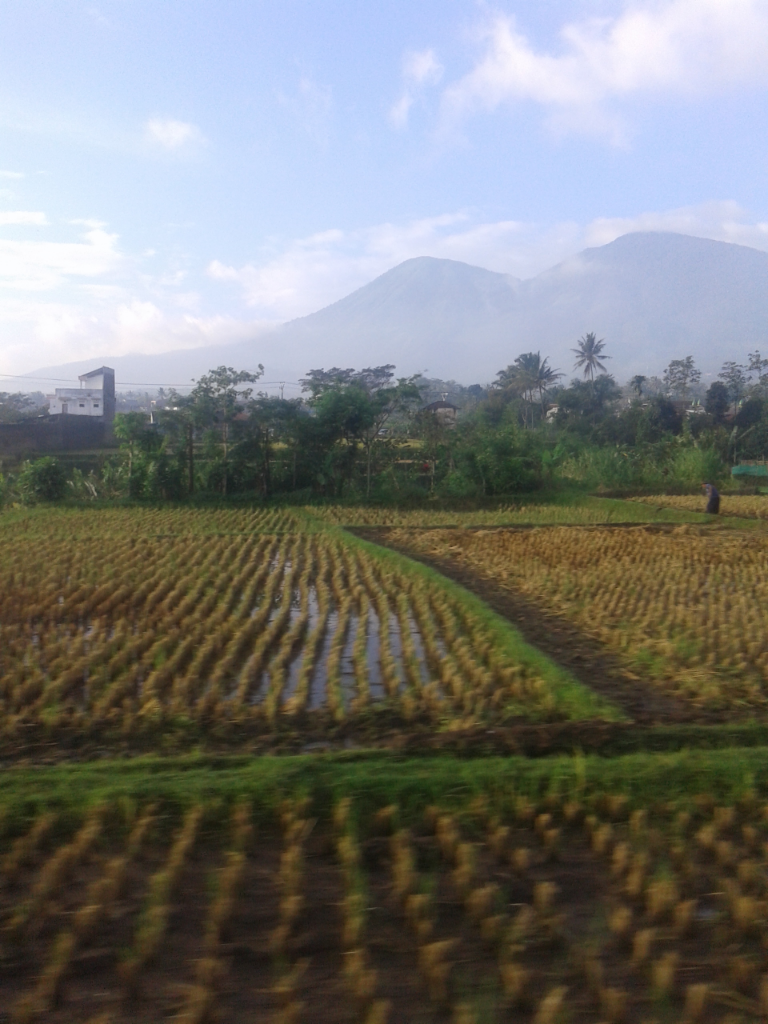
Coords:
pixel 652 296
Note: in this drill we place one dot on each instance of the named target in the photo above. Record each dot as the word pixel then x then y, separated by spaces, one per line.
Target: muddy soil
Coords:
pixel 585 657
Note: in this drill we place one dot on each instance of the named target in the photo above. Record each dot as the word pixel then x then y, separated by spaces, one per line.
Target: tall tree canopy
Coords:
pixel 680 376
pixel 589 354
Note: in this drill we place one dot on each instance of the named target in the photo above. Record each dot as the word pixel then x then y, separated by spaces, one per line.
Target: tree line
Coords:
pixel 366 434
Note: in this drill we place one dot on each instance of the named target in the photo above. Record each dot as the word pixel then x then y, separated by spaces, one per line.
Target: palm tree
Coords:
pixel 528 373
pixel 546 376
pixel 637 383
pixel 589 352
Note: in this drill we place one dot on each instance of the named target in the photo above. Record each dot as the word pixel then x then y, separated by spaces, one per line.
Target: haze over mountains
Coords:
pixel 653 296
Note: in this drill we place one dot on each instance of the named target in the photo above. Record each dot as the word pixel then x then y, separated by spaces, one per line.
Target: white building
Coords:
pixel 94 397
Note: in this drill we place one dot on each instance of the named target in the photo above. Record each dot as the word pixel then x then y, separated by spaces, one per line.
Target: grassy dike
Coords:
pixel 375 780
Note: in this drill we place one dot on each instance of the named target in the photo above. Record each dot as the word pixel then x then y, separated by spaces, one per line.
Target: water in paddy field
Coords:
pixel 348 687
pixel 420 654
pixel 273 563
pixel 396 647
pixel 319 675
pixel 294 667
pixel 375 684
pixel 316 697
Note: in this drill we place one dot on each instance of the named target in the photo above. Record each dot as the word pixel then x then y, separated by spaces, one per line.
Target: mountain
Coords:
pixel 652 296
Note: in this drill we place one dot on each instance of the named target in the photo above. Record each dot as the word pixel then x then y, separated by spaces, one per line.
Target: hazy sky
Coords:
pixel 176 173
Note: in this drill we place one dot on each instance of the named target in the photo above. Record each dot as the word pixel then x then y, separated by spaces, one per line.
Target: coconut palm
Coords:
pixel 546 376
pixel 637 383
pixel 529 373
pixel 589 353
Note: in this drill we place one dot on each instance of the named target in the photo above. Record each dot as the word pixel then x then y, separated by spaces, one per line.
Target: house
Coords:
pixel 443 411
pixel 95 396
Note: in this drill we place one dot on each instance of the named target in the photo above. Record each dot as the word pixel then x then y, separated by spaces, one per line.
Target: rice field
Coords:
pixel 129 622
pixel 744 506
pixel 37 525
pixel 570 904
pixel 687 609
pixel 581 510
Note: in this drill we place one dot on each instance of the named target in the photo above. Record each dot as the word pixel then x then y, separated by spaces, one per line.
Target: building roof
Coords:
pixel 96 373
pixel 434 406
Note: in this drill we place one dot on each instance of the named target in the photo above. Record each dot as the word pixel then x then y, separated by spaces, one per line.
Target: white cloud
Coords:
pixel 22 217
pixel 723 221
pixel 313 272
pixel 172 135
pixel 680 48
pixel 68 300
pixel 59 332
pixel 41 265
pixel 420 68
pixel 106 302
pixel 15 175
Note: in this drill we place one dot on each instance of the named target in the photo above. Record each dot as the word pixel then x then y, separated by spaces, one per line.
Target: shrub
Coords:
pixel 42 480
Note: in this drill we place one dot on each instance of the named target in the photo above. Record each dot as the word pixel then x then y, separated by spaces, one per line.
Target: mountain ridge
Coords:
pixel 654 296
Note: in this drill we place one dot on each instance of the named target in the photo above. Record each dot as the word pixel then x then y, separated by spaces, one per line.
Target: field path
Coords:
pixel 585 657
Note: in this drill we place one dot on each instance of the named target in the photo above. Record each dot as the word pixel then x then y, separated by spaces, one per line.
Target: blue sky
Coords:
pixel 176 174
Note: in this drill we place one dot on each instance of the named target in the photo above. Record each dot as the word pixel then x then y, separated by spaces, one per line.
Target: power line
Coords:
pixel 139 383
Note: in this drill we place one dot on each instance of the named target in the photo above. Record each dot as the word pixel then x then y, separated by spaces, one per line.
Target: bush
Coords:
pixel 42 480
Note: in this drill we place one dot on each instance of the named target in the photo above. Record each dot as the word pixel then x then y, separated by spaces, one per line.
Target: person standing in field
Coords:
pixel 713 499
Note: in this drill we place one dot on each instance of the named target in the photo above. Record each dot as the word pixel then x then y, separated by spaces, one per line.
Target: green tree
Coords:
pixel 582 405
pixel 42 480
pixel 360 403
pixel 528 375
pixel 759 368
pixel 680 376
pixel 736 378
pixel 16 407
pixel 272 422
pixel 217 398
pixel 637 383
pixel 589 354
pixel 138 439
pixel 716 401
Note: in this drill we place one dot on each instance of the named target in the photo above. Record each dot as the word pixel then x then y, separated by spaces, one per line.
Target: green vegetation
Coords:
pixel 376 779
pixel 364 435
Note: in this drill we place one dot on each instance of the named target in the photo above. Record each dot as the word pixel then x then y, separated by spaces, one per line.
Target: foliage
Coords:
pixel 17 406
pixel 736 378
pixel 528 375
pixel 681 375
pixel 354 406
pixel 42 480
pixel 581 406
pixel 717 400
pixel 359 435
pixel 589 354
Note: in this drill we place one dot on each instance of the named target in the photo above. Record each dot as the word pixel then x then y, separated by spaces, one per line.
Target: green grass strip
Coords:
pixel 375 780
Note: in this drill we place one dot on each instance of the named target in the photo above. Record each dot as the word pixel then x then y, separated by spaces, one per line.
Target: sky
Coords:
pixel 179 174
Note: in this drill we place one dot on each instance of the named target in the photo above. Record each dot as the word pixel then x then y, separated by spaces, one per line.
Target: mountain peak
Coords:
pixel 653 296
